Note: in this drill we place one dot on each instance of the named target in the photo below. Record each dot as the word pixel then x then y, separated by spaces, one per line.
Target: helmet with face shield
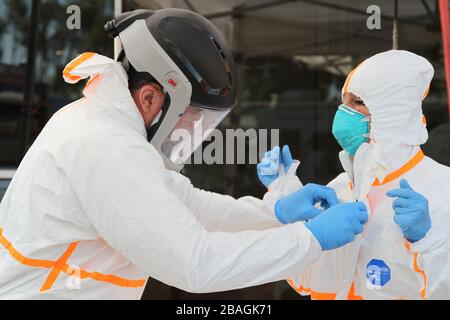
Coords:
pixel 187 55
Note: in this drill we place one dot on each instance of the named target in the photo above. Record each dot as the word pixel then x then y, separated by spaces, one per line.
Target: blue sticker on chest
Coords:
pixel 378 273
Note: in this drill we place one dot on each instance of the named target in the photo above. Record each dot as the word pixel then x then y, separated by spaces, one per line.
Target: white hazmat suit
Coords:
pixel 380 263
pixel 93 208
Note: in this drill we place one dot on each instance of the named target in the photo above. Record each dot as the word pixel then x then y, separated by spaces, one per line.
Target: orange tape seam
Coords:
pixel 75 63
pixel 405 168
pixel 61 265
pixel 314 294
pixel 423 291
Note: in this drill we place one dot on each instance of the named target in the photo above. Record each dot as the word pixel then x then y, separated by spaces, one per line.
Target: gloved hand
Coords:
pixel 411 212
pixel 338 225
pixel 268 168
pixel 300 205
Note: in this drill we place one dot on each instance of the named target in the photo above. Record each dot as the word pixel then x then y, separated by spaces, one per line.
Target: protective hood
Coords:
pixel 393 84
pixel 108 83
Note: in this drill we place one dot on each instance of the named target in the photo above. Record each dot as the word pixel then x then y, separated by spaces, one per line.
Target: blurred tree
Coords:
pixel 57 45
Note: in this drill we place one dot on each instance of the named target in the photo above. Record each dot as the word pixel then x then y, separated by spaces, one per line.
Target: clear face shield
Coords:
pixel 180 130
pixel 195 126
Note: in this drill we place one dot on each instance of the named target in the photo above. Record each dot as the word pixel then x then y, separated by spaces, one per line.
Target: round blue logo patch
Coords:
pixel 378 273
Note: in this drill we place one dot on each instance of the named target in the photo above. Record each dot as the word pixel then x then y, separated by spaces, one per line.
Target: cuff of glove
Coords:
pixel 281 187
pixel 279 213
pixel 293 168
pixel 434 239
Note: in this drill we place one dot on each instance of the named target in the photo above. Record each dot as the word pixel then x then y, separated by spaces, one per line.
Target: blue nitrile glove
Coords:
pixel 338 225
pixel 268 168
pixel 411 212
pixel 300 205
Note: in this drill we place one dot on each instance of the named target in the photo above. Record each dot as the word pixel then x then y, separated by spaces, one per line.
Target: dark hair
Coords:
pixel 137 80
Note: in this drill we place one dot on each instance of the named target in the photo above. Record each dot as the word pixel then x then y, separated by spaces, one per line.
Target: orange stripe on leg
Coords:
pixel 314 294
pixel 352 295
pixel 22 259
pixel 61 265
pixel 118 281
pixel 58 266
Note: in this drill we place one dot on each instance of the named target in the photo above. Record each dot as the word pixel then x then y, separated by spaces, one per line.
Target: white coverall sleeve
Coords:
pixel 125 195
pixel 432 253
pixel 221 212
pixel 224 213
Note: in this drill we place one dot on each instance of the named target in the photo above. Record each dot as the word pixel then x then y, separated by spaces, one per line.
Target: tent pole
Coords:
pixel 445 27
pixel 395 27
pixel 117 10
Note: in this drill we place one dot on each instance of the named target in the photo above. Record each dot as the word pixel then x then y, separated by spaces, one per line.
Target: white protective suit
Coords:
pixel 92 211
pixel 380 263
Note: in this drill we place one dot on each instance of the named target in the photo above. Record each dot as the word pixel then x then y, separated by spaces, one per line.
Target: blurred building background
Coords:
pixel 292 56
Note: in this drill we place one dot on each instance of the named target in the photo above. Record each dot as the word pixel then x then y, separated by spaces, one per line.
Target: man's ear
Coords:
pixel 149 99
pixel 145 96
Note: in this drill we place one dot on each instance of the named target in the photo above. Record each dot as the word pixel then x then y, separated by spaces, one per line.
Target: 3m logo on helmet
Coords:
pixel 172 82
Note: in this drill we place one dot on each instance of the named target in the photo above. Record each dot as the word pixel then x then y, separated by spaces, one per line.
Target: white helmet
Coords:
pixel 187 55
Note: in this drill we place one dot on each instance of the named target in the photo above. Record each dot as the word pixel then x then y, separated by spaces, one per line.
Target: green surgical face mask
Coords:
pixel 350 128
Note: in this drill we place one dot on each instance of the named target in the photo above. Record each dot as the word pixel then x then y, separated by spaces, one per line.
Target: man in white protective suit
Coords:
pixel 95 209
pixel 403 252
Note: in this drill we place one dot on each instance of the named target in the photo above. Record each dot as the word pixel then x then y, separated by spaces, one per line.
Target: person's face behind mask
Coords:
pixel 351 123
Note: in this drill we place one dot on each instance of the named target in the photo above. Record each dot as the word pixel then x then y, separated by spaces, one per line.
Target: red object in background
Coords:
pixel 445 26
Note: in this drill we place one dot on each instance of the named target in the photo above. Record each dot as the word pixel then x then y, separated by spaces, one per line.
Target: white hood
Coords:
pixel 108 85
pixel 393 84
